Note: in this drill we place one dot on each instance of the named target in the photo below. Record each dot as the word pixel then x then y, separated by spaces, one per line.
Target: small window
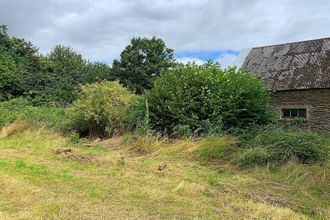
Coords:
pixel 286 112
pixel 293 113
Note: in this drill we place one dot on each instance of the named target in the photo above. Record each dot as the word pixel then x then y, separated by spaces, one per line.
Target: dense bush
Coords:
pixel 279 146
pixel 101 110
pixel 205 99
pixel 21 110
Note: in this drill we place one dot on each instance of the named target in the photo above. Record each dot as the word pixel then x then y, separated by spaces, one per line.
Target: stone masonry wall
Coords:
pixel 316 101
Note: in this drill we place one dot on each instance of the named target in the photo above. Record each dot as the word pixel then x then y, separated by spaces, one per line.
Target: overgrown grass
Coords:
pixel 150 177
pixel 278 146
pixel 216 147
pixel 35 116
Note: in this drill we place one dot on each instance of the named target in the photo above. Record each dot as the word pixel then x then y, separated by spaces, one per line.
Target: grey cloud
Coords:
pixel 101 29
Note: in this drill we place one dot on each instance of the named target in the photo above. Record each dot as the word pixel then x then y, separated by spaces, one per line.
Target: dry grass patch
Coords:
pixel 147 177
pixel 12 128
pixel 147 144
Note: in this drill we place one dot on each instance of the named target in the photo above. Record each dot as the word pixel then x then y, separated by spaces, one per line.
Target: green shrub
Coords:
pixel 22 110
pixel 254 156
pixel 101 110
pixel 139 116
pixel 10 111
pixel 214 148
pixel 182 131
pixel 207 99
pixel 247 133
pixel 284 145
pixel 52 117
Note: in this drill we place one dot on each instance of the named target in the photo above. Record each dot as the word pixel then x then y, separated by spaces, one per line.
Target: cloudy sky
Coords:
pixel 196 29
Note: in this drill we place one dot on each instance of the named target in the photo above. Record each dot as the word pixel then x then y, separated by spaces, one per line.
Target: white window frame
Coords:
pixel 280 109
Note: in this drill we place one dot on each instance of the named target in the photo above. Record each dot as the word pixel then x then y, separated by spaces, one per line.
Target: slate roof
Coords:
pixel 299 65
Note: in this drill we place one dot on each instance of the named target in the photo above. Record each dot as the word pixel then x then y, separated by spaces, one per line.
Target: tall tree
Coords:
pixel 44 79
pixel 67 69
pixel 19 61
pixel 70 70
pixel 141 62
pixel 97 72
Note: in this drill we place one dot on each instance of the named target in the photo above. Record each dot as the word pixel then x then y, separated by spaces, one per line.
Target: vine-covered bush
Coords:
pixel 206 98
pixel 101 110
pixel 279 146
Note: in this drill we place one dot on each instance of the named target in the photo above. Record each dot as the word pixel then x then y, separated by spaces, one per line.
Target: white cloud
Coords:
pixel 186 60
pixel 227 60
pixel 101 29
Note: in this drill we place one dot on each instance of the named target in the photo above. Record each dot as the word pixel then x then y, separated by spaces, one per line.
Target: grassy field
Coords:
pixel 149 178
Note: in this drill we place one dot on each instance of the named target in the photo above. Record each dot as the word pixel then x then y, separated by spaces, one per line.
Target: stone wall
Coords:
pixel 316 101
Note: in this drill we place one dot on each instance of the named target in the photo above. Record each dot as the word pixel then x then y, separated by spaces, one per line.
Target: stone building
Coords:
pixel 299 76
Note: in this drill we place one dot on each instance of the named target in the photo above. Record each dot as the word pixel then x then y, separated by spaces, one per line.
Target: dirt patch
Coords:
pixel 92 143
pixel 89 159
pixel 268 198
pixel 257 196
pixel 81 158
pixel 62 151
pixel 112 143
pixel 162 167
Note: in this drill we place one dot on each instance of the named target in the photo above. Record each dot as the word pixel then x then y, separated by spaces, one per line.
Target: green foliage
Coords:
pixel 207 99
pixel 182 131
pixel 140 116
pixel 18 61
pixel 247 133
pixel 10 111
pixel 215 148
pixel 53 117
pixel 44 80
pixel 68 70
pixel 20 109
pixel 254 156
pixel 141 62
pixel 279 146
pixel 66 67
pixel 102 109
pixel 97 72
pixel 10 77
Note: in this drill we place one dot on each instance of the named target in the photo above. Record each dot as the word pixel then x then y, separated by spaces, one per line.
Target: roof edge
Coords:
pixel 297 89
pixel 302 41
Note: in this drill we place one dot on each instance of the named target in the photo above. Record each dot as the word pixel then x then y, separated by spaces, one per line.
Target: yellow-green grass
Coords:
pixel 148 178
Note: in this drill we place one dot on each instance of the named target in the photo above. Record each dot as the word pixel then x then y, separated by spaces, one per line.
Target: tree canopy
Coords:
pixel 141 62
pixel 44 79
pixel 19 62
pixel 55 77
